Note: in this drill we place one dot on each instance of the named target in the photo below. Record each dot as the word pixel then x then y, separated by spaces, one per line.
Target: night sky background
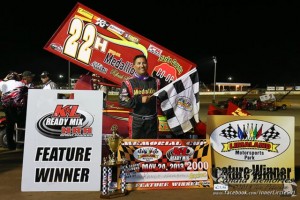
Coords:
pixel 255 42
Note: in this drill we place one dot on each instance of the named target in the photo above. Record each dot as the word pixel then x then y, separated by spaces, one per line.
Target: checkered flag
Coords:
pixel 229 132
pixel 271 134
pixel 180 102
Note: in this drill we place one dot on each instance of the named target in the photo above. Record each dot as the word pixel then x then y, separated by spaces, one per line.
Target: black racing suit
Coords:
pixel 143 121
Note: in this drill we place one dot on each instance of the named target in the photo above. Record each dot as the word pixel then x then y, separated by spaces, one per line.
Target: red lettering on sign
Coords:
pixel 66 111
pixel 179 151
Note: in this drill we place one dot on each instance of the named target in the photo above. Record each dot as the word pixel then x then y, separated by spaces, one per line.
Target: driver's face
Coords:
pixel 140 66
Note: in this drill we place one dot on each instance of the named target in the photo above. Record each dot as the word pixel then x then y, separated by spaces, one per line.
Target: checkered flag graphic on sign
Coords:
pixel 229 132
pixel 202 155
pixel 201 151
pixel 180 102
pixel 127 153
pixel 271 134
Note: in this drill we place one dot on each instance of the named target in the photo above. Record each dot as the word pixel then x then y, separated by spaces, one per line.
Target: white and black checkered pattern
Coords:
pixel 180 102
pixel 270 134
pixel 229 132
pixel 104 181
pixel 123 180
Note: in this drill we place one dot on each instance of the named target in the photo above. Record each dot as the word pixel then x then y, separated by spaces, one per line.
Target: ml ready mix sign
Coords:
pixel 63 141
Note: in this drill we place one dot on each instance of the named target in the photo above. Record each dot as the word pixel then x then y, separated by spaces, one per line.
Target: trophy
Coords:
pixel 108 188
pixel 113 142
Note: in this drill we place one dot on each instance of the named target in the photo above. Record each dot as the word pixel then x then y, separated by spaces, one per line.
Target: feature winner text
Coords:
pixel 259 174
pixel 62 154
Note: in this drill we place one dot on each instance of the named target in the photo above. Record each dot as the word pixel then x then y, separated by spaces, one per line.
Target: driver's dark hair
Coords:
pixel 139 56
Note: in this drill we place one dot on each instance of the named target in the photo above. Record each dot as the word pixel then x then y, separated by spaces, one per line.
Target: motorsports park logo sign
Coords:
pixel 250 140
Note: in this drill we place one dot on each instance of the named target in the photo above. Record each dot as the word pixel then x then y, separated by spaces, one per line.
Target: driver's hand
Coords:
pixel 146 99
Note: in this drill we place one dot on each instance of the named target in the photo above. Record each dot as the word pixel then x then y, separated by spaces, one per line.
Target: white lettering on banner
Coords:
pixel 146 185
pixel 184 184
pixel 63 154
pixel 170 176
pixel 76 122
pixel 62 174
pixel 167 184
pixel 64 122
pixel 179 158
pixel 56 121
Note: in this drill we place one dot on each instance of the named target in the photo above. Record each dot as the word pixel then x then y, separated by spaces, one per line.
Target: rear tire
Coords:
pixel 3 138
